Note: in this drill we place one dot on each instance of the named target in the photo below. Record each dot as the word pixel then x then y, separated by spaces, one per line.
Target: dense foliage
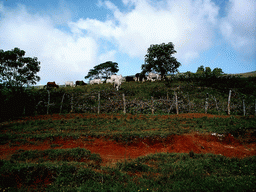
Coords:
pixel 159 59
pixel 104 70
pixel 17 70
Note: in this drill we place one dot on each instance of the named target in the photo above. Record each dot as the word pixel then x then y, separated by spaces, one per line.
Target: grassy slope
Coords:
pixel 158 172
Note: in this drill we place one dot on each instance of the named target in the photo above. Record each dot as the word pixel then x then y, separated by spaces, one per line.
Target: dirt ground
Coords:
pixel 112 151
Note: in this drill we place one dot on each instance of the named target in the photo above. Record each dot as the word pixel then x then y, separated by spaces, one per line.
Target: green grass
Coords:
pixel 85 98
pixel 78 169
pixel 75 154
pixel 112 127
pixel 158 172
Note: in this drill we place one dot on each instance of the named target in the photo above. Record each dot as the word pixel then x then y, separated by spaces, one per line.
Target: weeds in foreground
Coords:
pixel 158 172
pixel 75 154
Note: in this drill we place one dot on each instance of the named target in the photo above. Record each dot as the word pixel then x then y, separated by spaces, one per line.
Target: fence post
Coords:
pixel 48 104
pixel 243 107
pixel 98 102
pixel 152 104
pixel 206 104
pixel 171 106
pixel 229 96
pixel 167 96
pixel 124 104
pixel 177 107
pixel 216 103
pixel 189 108
pixel 62 102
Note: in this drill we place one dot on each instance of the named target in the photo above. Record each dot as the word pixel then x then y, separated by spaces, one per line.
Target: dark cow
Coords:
pixel 140 77
pixel 129 78
pixel 51 85
pixel 80 83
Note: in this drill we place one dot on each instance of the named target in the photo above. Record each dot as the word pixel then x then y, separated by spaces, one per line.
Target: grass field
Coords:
pixel 115 152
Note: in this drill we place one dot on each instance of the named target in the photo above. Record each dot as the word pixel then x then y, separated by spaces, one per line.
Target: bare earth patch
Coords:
pixel 113 151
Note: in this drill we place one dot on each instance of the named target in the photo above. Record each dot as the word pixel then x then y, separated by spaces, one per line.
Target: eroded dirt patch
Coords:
pixel 112 151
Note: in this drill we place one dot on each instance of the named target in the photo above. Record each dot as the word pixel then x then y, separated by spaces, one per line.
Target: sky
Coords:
pixel 70 37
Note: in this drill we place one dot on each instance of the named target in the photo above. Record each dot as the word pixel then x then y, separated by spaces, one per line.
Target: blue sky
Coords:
pixel 70 37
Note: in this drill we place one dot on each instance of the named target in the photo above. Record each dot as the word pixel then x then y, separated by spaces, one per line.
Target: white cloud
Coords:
pixel 239 26
pixel 108 56
pixel 188 24
pixel 63 56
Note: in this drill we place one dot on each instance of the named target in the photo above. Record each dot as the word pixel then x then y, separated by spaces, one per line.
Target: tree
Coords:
pixel 208 71
pixel 200 70
pixel 103 70
pixel 159 59
pixel 17 70
pixel 217 72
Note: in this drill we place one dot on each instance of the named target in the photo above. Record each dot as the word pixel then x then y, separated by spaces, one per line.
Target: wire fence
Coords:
pixel 173 103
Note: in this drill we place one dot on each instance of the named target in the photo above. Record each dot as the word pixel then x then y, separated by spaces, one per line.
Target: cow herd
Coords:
pixel 116 80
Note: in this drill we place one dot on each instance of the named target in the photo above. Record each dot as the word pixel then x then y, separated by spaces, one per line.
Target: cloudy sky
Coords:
pixel 70 37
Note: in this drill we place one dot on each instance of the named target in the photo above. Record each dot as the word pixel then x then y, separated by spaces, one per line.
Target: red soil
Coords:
pixel 111 151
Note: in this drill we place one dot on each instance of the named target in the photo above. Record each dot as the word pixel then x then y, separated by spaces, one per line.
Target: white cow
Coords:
pixel 115 77
pixel 117 83
pixel 95 81
pixel 69 83
pixel 109 81
pixel 117 80
pixel 153 76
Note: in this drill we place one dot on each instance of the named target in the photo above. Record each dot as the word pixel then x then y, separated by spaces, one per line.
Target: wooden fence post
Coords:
pixel 62 102
pixel 124 104
pixel 189 108
pixel 206 104
pixel 171 106
pixel 177 107
pixel 48 104
pixel 229 96
pixel 167 96
pixel 99 103
pixel 216 103
pixel 243 107
pixel 152 105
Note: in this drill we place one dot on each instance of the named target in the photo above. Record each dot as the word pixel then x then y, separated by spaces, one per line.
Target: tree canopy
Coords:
pixel 159 59
pixel 208 72
pixel 103 70
pixel 17 70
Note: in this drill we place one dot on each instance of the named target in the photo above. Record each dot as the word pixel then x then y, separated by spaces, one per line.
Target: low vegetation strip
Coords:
pixel 158 172
pixel 126 126
pixel 75 154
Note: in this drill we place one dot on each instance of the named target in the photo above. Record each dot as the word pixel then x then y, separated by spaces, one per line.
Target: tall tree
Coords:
pixel 200 70
pixel 208 71
pixel 217 72
pixel 103 70
pixel 159 59
pixel 17 70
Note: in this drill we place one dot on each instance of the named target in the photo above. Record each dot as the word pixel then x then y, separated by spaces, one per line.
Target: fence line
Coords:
pixel 122 104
